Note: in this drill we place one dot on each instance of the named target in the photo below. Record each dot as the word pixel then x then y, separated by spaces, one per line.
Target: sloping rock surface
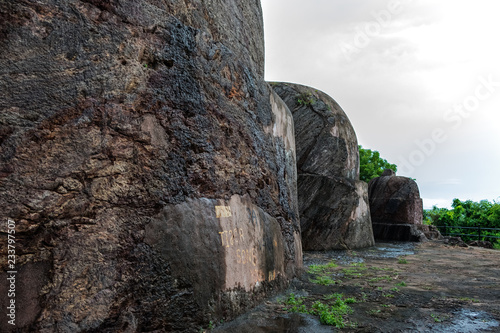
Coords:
pixel 325 139
pixel 333 202
pixel 148 168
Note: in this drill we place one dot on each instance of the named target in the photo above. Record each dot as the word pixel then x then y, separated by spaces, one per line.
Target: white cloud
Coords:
pixel 452 181
pixel 397 88
pixel 440 203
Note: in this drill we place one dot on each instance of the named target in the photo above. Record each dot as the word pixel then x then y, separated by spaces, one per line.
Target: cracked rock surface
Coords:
pixel 333 202
pixel 118 121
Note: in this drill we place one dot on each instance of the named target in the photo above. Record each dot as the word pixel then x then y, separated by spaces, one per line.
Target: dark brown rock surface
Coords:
pixel 149 169
pixel 333 202
pixel 326 141
pixel 396 209
pixel 395 200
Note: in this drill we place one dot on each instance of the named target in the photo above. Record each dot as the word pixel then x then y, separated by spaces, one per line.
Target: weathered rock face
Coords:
pixel 325 139
pixel 148 168
pixel 333 202
pixel 396 208
pixel 395 199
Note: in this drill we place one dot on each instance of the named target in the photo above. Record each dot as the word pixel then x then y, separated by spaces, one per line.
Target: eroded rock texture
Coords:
pixel 149 169
pixel 396 208
pixel 333 202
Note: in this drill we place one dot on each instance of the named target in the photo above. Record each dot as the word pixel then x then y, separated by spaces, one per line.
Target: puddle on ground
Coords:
pixel 467 321
pixel 388 250
pixel 263 319
pixel 463 321
pixel 346 257
pixel 258 321
pixel 286 323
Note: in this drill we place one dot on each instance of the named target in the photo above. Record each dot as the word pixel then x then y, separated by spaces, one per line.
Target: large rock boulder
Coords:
pixel 148 169
pixel 396 208
pixel 333 202
pixel 395 199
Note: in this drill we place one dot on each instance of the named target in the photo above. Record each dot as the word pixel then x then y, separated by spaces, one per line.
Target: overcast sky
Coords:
pixel 419 80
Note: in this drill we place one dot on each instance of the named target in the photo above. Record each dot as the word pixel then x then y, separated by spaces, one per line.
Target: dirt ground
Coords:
pixel 392 287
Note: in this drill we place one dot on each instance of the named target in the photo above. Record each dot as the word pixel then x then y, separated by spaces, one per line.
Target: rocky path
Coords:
pixel 392 287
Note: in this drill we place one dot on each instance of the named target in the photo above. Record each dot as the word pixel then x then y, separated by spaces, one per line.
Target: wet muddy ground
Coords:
pixel 392 287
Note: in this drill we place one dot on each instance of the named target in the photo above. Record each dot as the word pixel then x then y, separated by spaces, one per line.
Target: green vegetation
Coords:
pixel 323 280
pixel 295 304
pixel 402 261
pixel 332 296
pixel 305 99
pixel 351 300
pixel 293 300
pixel 355 270
pixel 322 273
pixel 468 299
pixel 438 319
pixel 332 311
pixel 371 165
pixel 374 312
pixel 320 269
pixel 470 214
pixel 359 265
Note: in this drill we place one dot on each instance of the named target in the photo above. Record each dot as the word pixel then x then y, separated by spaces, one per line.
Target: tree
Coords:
pixel 465 218
pixel 371 165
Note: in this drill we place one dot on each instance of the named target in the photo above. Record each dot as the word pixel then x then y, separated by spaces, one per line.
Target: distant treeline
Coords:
pixel 476 216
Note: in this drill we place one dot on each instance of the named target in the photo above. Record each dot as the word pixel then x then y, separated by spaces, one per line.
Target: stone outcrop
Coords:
pixel 455 241
pixel 333 202
pixel 396 208
pixel 148 168
pixel 431 232
pixel 395 199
